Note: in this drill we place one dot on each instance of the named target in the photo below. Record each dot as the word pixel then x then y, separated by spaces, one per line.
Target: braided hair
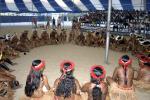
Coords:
pixel 67 84
pixel 33 79
pixel 125 58
pixel 96 92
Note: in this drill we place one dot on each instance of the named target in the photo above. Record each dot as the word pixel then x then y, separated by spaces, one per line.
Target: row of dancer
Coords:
pixel 67 87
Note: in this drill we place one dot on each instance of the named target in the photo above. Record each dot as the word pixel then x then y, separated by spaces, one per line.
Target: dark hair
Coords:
pixel 66 65
pixel 148 55
pixel 147 64
pixel 66 86
pixel 125 58
pixel 98 71
pixel 36 62
pixel 96 92
pixel 33 80
pixel 97 33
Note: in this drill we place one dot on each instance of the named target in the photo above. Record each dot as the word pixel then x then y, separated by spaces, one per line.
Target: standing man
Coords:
pixel 54 24
pixel 121 83
pixel 59 22
pixel 48 22
pixel 34 21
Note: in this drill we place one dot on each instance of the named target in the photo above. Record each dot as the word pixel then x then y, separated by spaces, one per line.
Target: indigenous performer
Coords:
pixel 89 39
pixel 62 38
pixel 8 52
pixel 13 42
pixel 112 42
pixel 37 83
pixel 67 86
pixel 143 78
pixel 121 83
pixel 71 36
pixel 24 37
pixel 45 38
pixel 54 37
pixel 24 44
pixel 80 40
pixel 97 39
pixel 132 43
pixel 142 59
pixel 96 88
pixel 7 77
pixel 35 40
pixel 7 83
pixel 4 59
pixel 6 93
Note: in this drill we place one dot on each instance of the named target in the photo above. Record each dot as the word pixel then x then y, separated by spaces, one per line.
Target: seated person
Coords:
pixel 8 51
pixel 45 39
pixel 37 83
pixel 121 83
pixel 67 86
pixel 96 88
pixel 14 41
pixel 71 37
pixel 7 77
pixel 24 39
pixel 54 37
pixel 142 59
pixel 89 39
pixel 62 37
pixel 97 39
pixel 80 40
pixel 35 40
pixel 143 77
pixel 5 92
pixel 4 60
pixel 22 47
pixel 8 82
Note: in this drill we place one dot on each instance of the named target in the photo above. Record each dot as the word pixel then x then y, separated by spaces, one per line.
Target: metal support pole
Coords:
pixel 108 31
pixel 63 21
pixel 0 18
pixel 32 16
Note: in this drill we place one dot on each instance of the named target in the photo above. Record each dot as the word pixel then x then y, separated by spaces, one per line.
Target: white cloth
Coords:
pixel 44 89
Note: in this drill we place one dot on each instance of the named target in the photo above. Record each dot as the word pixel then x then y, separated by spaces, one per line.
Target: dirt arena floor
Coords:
pixel 83 57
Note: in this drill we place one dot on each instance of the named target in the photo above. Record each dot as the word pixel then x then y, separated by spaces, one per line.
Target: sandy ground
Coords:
pixel 84 58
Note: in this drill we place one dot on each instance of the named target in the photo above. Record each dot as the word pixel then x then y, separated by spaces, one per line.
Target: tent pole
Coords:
pixel 63 20
pixel 32 15
pixel 108 31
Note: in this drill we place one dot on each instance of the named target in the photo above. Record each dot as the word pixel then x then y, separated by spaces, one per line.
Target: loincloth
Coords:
pixel 142 85
pixel 117 93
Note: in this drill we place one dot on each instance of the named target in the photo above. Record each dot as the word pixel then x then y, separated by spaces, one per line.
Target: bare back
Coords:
pixel 121 79
pixel 87 88
pixel 145 74
pixel 74 96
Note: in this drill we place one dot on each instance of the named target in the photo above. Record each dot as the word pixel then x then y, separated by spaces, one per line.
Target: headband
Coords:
pixel 93 75
pixel 125 64
pixel 39 67
pixel 142 58
pixel 71 67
